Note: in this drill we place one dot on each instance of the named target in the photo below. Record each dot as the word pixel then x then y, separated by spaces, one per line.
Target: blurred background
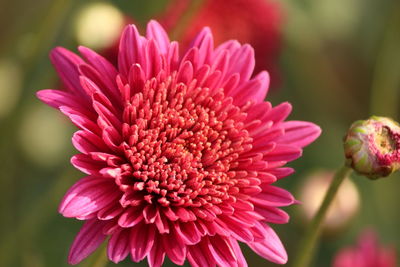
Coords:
pixel 336 61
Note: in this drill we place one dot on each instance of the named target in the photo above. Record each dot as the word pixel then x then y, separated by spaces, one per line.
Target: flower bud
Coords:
pixel 372 147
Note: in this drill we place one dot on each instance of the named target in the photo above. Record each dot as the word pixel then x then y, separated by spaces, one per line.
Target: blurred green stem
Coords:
pixel 34 218
pixel 307 41
pixel 306 246
pixel 386 78
pixel 184 20
pixel 49 28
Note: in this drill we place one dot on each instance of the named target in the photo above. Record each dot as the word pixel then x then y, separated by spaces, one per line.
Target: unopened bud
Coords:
pixel 372 147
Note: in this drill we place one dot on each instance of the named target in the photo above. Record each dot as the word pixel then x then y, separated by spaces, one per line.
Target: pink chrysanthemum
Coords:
pixel 367 253
pixel 180 151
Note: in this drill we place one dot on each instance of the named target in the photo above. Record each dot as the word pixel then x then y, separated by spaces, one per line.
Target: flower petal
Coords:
pixel 299 133
pixel 130 49
pixel 87 196
pixel 272 196
pixel 142 239
pixel 157 33
pixel 156 254
pixel 66 63
pixel 88 239
pixel 271 247
pixel 118 246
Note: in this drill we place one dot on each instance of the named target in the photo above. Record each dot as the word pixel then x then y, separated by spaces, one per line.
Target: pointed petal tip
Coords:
pixel 57 50
pixel 154 22
pixel 283 259
pixel 297 202
pixel 83 49
pixel 206 30
pixel 41 95
pixel 314 132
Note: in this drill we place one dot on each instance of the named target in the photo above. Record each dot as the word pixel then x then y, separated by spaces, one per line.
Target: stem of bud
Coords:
pixel 306 246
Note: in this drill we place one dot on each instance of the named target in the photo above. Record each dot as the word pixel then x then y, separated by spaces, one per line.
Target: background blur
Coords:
pixel 338 61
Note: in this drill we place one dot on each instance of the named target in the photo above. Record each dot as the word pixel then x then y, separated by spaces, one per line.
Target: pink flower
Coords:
pixel 367 253
pixel 180 152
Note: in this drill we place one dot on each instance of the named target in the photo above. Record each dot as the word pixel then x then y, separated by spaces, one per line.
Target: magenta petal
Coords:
pixel 188 232
pixel 222 251
pixel 87 142
pixel 273 214
pixel 281 172
pixel 205 43
pixel 271 247
pixel 242 61
pixel 254 90
pixel 156 254
pixel 299 133
pixel 283 152
pixel 118 246
pixel 279 113
pixel 185 73
pixel 87 196
pixel 142 239
pixel 57 98
pixel 200 255
pixel 241 261
pixel 86 164
pixel 239 230
pixel 150 213
pixel 130 217
pixel 130 49
pixel 109 212
pixel 88 239
pixel 175 249
pixel 232 46
pixel 153 60
pixel 157 33
pixel 66 64
pixel 173 57
pixel 103 66
pixel 273 196
pixel 81 121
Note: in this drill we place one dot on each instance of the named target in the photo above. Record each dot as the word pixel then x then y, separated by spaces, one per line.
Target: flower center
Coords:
pixel 388 146
pixel 182 143
pixel 386 140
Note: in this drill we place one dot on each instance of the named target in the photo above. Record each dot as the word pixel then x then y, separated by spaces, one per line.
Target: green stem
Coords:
pixel 306 247
pixel 386 79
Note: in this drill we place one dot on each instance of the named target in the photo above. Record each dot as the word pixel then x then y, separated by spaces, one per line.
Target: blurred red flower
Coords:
pixel 367 253
pixel 256 22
